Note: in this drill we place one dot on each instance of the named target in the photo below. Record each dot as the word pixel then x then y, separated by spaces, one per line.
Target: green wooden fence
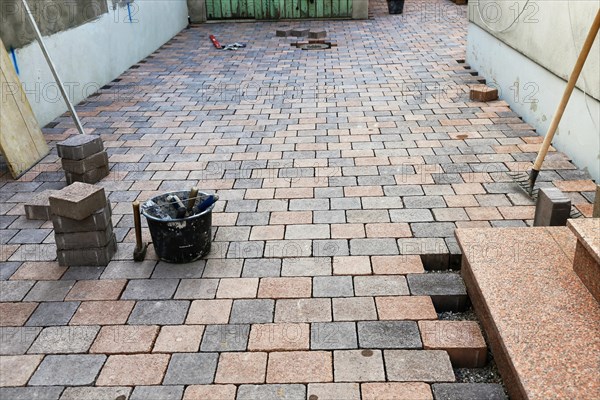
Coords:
pixel 278 9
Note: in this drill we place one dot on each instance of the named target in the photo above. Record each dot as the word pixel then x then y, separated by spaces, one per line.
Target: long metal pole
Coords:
pixel 53 69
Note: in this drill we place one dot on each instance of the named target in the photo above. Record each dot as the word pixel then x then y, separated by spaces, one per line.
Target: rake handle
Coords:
pixel 585 50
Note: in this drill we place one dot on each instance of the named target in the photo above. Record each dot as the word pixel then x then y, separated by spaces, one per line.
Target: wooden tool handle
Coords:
pixel 585 50
pixel 137 223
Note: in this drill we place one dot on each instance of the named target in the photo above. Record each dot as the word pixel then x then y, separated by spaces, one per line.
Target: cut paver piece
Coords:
pixel 299 32
pixel 418 366
pixel 191 368
pixel 389 335
pixel 358 366
pixel 468 391
pixel 68 370
pixel 317 34
pixel 462 340
pixel 78 147
pixel 447 290
pixel 77 201
pixel 85 165
pixel 38 207
pixel 483 93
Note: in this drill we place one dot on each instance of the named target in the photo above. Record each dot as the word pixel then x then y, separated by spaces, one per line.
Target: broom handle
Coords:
pixel 585 50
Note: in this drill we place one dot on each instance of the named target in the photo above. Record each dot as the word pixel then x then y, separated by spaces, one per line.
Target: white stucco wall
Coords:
pixel 531 59
pixel 91 55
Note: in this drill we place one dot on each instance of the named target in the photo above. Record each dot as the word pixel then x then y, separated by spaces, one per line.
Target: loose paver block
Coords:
pixel 221 392
pixel 85 165
pixel 78 201
pixel 276 392
pixel 418 366
pixel 78 147
pixel 16 370
pixel 405 308
pixel 170 312
pixel 241 368
pixel 38 207
pixel 553 208
pixel 179 339
pixel 447 290
pixel 98 221
pixel 396 391
pixel 468 391
pixel 92 176
pixel 93 256
pixel 133 370
pixel 209 312
pixel 232 337
pixel 333 335
pixel 64 339
pixel 333 391
pixel 83 240
pixel 462 340
pixel 317 34
pixel 483 93
pixel 255 311
pixel 283 32
pixel 191 368
pixel 389 335
pixel 16 340
pixel 123 339
pixel 279 336
pixel 358 366
pixel 68 370
pixel 96 393
pixel 299 367
pixel 157 392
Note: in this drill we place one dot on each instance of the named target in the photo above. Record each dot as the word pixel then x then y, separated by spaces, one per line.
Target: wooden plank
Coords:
pixel 250 9
pixel 303 9
pixel 21 140
pixel 335 8
pixel 327 8
pixel 350 3
pixel 226 6
pixel 343 9
pixel 320 6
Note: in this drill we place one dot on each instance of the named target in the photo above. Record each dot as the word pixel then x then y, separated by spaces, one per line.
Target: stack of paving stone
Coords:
pixel 81 216
pixel 83 158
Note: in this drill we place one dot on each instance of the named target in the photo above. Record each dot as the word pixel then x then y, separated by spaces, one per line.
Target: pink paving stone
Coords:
pixel 354 309
pixel 397 265
pixel 96 290
pixel 241 368
pixel 275 232
pixel 178 339
pixel 206 312
pixel 237 288
pixel 208 392
pixel 303 310
pixel 102 313
pixel 517 212
pixel 576 186
pixel 347 231
pixel 462 340
pixel 117 339
pixel 133 370
pixel 16 370
pixel 299 367
pixel 396 391
pixel 15 314
pixel 39 271
pixel 483 213
pixel 278 288
pixel 392 230
pixel 351 265
pixel 333 391
pixel 279 336
pixel 405 308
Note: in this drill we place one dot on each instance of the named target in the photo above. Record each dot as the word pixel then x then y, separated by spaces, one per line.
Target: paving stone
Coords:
pixel 418 365
pixel 102 313
pixel 96 393
pixel 7 269
pixel 317 34
pixel 49 291
pixel 99 220
pixel 424 202
pixel 78 147
pixel 166 270
pixel 389 335
pixel 38 271
pixel 95 256
pixel 159 312
pixel 396 391
pixel 333 335
pixel 197 289
pixel 277 288
pixel 83 240
pixel 133 370
pixel 413 215
pixel 447 290
pixel 38 207
pixel 15 314
pixel 16 340
pixel 191 369
pixel 209 311
pixel 53 314
pixel 360 247
pixel 468 391
pixel 483 93
pixel 30 236
pixel 128 270
pixel 334 391
pixel 124 339
pixel 14 290
pixel 354 309
pixel 64 339
pixel 333 286
pixel 68 370
pixel 261 267
pixel 433 229
pixel 232 337
pixel 388 265
pixel 157 393
pixel 358 366
pixel 92 176
pixel 380 285
pixel 276 392
pixel 462 340
pixel 150 289
pixel 31 392
pixel 306 266
pixel 237 288
pixel 78 201
pixel 279 336
pixel 353 265
pixel 16 370
pixel 85 165
pixel 299 367
pixel 252 311
pixel 303 310
pixel 178 339
pixel 241 368
pixel 96 290
pixel 405 308
pixel 222 392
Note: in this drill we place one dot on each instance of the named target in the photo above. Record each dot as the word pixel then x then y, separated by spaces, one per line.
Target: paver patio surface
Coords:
pixel 335 169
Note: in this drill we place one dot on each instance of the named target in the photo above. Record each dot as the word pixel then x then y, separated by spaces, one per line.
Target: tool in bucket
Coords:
pixel 232 46
pixel 139 253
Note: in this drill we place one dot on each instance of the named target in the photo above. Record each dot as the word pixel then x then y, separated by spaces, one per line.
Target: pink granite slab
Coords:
pixel 542 323
pixel 587 231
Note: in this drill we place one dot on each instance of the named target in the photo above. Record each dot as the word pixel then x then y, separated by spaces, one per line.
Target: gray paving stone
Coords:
pixel 167 312
pixel 373 247
pixel 197 289
pixel 358 366
pixel 330 248
pixel 64 339
pixel 271 392
pixel 403 190
pixel 380 285
pixel 14 290
pixel 53 313
pixel 191 369
pixel 413 215
pixel 367 216
pixel 96 393
pixel 243 250
pixel 418 365
pixel 261 267
pixel 188 270
pixel 252 311
pixel 333 286
pixel 78 201
pixel 16 340
pixel 333 335
pixel 389 335
pixel 424 202
pixel 78 147
pixel 447 290
pixel 49 291
pixel 346 203
pixel 68 370
pixel 128 270
pixel 82 273
pixel 223 268
pixel 31 393
pixel 157 393
pixel 306 266
pixel 225 338
pixel 308 204
pixel 31 236
pixel 433 229
pixel 329 217
pixel 468 391
pixel 7 269
pixel 150 289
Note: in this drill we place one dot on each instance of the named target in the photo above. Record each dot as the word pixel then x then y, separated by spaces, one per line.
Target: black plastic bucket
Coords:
pixel 395 6
pixel 178 240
